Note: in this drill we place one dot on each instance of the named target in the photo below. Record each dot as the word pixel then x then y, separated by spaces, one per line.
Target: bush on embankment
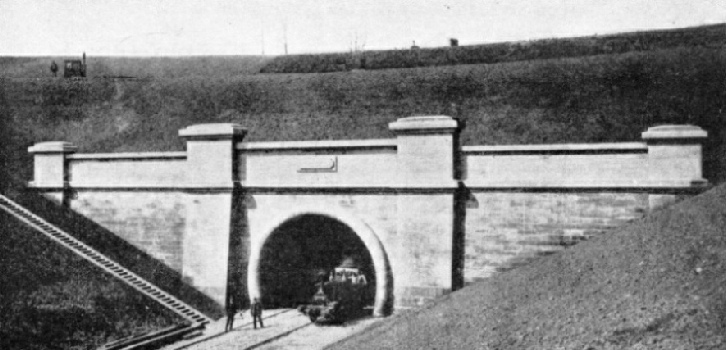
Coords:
pixel 711 35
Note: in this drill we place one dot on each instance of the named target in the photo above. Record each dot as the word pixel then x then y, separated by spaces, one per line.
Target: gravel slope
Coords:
pixel 657 284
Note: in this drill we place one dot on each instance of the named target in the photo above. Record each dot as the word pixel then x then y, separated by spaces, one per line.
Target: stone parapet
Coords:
pixel 669 160
pixel 565 148
pixel 675 155
pixel 427 150
pixel 129 156
pixel 282 146
pixel 50 163
pixel 105 171
pixel 211 153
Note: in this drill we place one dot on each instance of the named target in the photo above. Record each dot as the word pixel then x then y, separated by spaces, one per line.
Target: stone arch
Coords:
pixel 383 293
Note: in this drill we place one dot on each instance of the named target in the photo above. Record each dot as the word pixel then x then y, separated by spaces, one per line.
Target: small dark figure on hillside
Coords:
pixel 256 311
pixel 231 311
pixel 54 68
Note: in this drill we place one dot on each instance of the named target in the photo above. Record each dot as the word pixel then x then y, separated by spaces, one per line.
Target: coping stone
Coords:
pixel 424 124
pixel 52 147
pixel 213 131
pixel 674 132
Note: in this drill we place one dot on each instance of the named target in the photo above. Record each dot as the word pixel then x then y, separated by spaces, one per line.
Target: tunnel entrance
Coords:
pixel 304 251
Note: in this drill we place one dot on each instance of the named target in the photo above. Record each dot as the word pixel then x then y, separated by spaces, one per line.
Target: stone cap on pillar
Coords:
pixel 434 124
pixel 213 131
pixel 50 147
pixel 672 133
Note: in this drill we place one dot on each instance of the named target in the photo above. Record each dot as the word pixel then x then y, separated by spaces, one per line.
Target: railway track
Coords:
pixel 65 239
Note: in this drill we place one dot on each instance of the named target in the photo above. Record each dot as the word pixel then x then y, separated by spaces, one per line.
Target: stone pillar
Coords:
pixel 426 150
pixel 50 168
pixel 211 176
pixel 674 160
pixel 210 153
pixel 422 251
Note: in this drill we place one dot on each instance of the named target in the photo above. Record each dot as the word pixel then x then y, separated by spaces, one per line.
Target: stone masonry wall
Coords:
pixel 506 229
pixel 152 221
pixel 522 201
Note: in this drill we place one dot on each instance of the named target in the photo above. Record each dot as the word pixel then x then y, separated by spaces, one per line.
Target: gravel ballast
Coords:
pixel 659 283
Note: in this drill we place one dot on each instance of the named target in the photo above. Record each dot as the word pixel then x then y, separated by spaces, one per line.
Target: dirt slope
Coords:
pixel 657 284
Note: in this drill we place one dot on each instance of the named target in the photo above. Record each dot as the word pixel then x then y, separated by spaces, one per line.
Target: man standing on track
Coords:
pixel 256 311
pixel 231 311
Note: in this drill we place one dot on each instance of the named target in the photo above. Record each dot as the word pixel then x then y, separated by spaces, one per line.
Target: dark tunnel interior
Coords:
pixel 304 251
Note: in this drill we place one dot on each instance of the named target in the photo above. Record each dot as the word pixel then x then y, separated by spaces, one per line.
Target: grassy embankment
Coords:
pixel 659 283
pixel 587 99
pixel 703 36
pixel 212 67
pixel 52 299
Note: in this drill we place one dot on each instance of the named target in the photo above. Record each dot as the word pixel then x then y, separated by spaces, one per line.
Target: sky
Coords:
pixel 254 27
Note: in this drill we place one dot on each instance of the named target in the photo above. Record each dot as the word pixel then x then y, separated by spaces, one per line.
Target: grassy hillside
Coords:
pixel 705 36
pixel 658 284
pixel 139 67
pixel 52 299
pixel 590 99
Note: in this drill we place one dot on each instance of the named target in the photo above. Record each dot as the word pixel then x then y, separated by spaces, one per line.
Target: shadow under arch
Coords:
pixel 383 300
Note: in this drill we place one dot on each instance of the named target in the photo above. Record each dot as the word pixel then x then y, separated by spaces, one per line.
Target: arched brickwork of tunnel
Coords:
pixel 331 236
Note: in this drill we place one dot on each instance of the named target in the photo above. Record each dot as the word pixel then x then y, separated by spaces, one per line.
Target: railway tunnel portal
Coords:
pixel 420 213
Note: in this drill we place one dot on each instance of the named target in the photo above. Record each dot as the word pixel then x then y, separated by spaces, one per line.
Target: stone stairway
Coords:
pixel 167 300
